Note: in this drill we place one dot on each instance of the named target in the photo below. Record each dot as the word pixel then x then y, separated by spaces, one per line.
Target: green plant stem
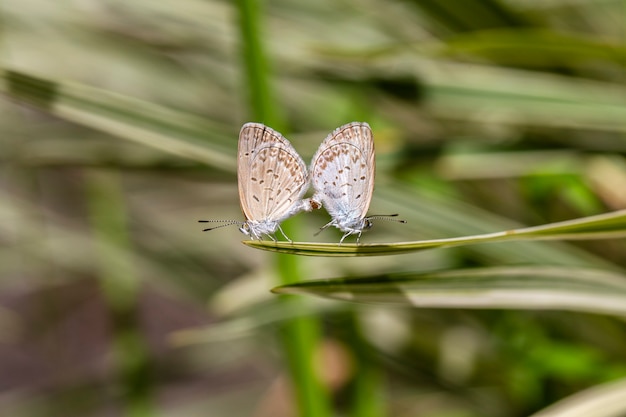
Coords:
pixel 367 386
pixel 300 337
pixel 301 334
pixel 120 287
pixel 262 105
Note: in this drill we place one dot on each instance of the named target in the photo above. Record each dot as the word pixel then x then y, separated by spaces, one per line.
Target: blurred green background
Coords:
pixel 118 131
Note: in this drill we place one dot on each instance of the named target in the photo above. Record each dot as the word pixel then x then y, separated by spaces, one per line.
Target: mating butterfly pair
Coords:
pixel 273 179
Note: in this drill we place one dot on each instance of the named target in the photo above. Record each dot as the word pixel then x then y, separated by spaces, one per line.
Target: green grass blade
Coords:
pixel 174 132
pixel 602 226
pixel 251 321
pixel 433 216
pixel 606 400
pixel 465 91
pixel 552 288
pixel 471 15
pixel 535 47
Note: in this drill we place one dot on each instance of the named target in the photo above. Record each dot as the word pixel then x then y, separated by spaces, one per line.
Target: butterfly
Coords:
pixel 342 174
pixel 272 180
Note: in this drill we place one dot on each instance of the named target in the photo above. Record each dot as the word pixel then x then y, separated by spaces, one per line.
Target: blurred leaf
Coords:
pixel 535 48
pixel 603 226
pixel 249 322
pixel 496 95
pixel 606 400
pixel 460 15
pixel 516 97
pixel 552 288
pixel 128 118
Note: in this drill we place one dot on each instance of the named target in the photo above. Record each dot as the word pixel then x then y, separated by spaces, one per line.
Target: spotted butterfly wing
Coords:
pixel 272 179
pixel 342 175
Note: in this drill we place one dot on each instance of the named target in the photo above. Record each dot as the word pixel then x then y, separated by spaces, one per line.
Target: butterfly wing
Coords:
pixel 272 177
pixel 343 170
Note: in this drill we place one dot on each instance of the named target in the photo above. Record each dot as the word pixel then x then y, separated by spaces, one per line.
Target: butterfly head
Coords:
pixel 245 229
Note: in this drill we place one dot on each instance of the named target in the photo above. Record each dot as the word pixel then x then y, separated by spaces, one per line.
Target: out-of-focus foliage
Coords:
pixel 118 130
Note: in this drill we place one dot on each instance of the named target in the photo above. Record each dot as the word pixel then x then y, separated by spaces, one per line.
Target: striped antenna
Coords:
pixel 226 223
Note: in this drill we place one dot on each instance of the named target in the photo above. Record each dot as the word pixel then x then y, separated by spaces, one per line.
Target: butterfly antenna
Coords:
pixel 387 217
pixel 226 223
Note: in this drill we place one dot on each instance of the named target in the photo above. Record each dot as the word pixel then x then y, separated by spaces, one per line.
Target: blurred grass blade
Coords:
pixel 250 322
pixel 515 97
pixel 606 400
pixel 552 288
pixel 471 15
pixel 602 226
pixel 535 47
pixel 148 124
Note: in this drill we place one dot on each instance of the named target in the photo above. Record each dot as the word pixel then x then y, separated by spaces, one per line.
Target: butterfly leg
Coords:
pixel 271 236
pixel 326 226
pixel 351 232
pixel 348 233
pixel 283 233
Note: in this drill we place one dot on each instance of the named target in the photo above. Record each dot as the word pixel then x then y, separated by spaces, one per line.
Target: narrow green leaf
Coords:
pixel 535 47
pixel 174 132
pixel 251 320
pixel 462 91
pixel 551 288
pixel 606 400
pixel 469 15
pixel 602 226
